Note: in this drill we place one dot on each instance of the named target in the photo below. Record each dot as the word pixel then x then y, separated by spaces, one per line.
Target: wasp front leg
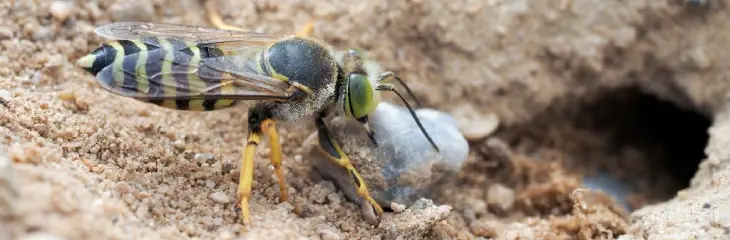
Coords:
pixel 328 145
pixel 211 10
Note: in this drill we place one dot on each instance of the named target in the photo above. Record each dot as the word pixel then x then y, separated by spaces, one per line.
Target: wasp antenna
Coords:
pixel 389 74
pixel 418 103
pixel 389 87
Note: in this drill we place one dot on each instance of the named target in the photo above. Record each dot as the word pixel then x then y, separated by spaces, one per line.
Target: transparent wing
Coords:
pixel 202 36
pixel 152 75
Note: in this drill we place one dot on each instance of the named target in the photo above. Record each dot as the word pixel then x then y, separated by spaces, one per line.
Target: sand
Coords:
pixel 579 88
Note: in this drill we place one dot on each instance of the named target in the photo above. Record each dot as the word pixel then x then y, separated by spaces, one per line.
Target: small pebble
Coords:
pixel 5 33
pixel 183 204
pixel 128 198
pixel 473 124
pixel 202 157
pixel 179 144
pixel 61 9
pixel 210 184
pixel 145 127
pixel 498 150
pixel 475 207
pixel 319 192
pixel 42 129
pixel 486 228
pixel 164 189
pixel 81 105
pixel 124 188
pixel 220 197
pixel 6 95
pixel 42 34
pixel 398 208
pixel 226 167
pixel 500 197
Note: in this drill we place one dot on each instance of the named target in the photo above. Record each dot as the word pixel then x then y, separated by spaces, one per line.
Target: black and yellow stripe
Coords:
pixel 130 61
pixel 156 68
pixel 170 82
pixel 196 104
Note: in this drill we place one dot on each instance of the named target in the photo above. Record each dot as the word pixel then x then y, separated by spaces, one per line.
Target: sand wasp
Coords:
pixel 279 77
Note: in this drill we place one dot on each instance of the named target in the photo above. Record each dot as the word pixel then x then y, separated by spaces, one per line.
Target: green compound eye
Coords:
pixel 359 98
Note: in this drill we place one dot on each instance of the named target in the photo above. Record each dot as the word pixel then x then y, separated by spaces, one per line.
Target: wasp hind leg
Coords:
pixel 246 177
pixel 268 127
pixel 214 17
pixel 259 124
pixel 328 145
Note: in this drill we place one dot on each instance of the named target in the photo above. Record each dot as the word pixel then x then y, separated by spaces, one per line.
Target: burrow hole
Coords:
pixel 670 139
pixel 627 143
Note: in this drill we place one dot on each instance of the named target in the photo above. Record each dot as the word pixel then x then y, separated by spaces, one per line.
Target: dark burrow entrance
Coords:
pixel 666 142
pixel 630 144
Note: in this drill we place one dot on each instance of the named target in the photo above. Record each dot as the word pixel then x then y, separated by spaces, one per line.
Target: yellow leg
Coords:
pixel 307 30
pixel 211 9
pixel 268 127
pixel 329 147
pixel 246 178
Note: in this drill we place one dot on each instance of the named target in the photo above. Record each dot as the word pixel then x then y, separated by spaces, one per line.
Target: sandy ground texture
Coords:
pixel 580 89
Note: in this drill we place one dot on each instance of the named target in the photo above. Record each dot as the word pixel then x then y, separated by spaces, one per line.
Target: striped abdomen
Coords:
pixel 159 71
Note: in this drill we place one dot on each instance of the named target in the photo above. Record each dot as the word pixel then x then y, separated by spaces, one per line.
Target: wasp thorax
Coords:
pixel 302 61
pixel 359 98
